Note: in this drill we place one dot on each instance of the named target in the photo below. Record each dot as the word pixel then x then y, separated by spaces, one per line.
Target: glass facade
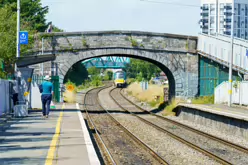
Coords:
pixel 217 18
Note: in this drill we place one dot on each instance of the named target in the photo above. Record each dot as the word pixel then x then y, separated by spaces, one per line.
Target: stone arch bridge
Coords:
pixel 176 55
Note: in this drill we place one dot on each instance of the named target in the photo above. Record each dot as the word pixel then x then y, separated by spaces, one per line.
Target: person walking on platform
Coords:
pixel 46 96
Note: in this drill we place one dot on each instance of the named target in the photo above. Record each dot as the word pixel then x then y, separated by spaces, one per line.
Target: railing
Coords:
pixel 5 97
pixel 239 95
pixel 218 49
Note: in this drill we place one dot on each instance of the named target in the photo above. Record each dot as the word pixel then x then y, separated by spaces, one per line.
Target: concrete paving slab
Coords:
pixel 73 146
pixel 30 140
pixel 27 140
pixel 233 112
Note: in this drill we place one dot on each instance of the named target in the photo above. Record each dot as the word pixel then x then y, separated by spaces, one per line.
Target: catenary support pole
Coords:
pixel 231 58
pixel 18 31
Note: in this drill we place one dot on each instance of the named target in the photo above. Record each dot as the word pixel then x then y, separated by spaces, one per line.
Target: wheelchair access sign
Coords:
pixel 23 36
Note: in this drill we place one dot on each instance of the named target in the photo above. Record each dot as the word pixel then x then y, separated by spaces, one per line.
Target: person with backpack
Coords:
pixel 46 88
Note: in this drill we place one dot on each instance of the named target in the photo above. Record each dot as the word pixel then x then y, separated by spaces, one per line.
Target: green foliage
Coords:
pixel 130 80
pixel 204 100
pixel 108 75
pixel 77 74
pixel 153 103
pixel 32 20
pixel 8 34
pixel 133 41
pixel 85 44
pixel 96 81
pixel 32 12
pixel 93 71
pixel 139 70
pixel 172 105
pixel 187 45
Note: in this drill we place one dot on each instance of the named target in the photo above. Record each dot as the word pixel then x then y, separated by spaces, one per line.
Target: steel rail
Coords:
pixel 223 141
pixel 207 153
pixel 109 156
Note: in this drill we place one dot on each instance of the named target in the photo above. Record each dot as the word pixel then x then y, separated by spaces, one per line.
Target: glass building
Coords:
pixel 216 17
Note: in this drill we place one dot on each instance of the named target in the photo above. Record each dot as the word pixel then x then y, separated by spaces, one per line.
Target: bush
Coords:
pixel 171 106
pixel 96 81
pixel 130 80
pixel 204 100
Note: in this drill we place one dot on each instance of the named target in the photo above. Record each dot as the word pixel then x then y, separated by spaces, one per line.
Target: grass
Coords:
pixel 174 102
pixel 168 111
pixel 203 100
pixel 134 89
pixel 148 95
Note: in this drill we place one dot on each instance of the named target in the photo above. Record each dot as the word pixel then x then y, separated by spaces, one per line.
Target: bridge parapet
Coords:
pixel 77 41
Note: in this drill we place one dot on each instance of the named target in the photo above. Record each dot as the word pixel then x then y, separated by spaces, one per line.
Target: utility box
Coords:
pixel 246 77
pixel 166 94
pixel 21 110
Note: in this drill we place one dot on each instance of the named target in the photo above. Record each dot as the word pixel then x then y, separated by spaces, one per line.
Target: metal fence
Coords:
pixel 239 95
pixel 55 80
pixel 5 98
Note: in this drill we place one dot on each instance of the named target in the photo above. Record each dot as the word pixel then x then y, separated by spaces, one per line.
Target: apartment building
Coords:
pixel 216 17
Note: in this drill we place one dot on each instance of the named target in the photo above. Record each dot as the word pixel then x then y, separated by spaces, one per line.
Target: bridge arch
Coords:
pixel 164 60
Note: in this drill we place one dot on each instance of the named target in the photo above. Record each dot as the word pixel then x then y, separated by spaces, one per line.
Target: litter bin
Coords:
pixel 21 109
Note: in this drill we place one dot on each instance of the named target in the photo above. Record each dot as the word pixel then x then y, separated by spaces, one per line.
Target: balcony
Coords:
pixel 204 8
pixel 204 26
pixel 204 20
pixel 228 13
pixel 204 14
pixel 228 7
pixel 227 26
pixel 228 20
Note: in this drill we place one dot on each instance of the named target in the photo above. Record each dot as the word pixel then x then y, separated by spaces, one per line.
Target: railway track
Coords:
pixel 218 149
pixel 118 145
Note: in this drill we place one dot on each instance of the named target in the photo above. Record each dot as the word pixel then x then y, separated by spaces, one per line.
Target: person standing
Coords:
pixel 46 96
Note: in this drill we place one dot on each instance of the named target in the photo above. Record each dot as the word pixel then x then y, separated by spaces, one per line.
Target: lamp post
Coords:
pixel 18 31
pixel 231 58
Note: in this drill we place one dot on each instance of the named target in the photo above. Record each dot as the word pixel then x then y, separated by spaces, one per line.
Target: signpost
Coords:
pixel 23 38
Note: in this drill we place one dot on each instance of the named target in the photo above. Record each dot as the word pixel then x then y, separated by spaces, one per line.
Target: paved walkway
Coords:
pixel 61 139
pixel 220 109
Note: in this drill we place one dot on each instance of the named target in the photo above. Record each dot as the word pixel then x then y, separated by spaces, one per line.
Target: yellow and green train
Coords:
pixel 120 79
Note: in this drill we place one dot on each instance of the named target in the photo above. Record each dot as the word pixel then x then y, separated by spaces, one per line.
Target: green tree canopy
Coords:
pixel 32 20
pixel 7 34
pixel 31 11
pixel 77 74
pixel 93 71
pixel 140 69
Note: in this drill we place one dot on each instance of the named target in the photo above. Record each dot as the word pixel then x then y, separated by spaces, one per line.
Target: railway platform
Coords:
pixel 61 139
pixel 237 112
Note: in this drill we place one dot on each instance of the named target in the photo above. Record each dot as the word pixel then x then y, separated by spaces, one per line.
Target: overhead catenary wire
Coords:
pixel 171 3
pixel 149 1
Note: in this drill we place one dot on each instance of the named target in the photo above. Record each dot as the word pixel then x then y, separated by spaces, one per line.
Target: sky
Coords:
pixel 138 15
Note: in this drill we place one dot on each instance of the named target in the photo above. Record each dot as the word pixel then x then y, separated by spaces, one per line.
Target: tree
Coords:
pixel 93 71
pixel 7 36
pixel 140 69
pixel 77 74
pixel 32 20
pixel 31 11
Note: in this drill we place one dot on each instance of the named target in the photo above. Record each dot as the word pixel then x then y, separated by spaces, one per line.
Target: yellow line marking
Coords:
pixel 53 145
